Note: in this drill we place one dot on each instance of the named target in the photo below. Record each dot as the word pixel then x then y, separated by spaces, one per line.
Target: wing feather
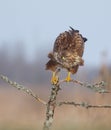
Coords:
pixel 70 40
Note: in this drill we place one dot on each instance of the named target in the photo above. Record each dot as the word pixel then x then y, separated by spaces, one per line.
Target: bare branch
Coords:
pixel 97 87
pixel 51 107
pixel 22 88
pixel 73 81
pixel 83 104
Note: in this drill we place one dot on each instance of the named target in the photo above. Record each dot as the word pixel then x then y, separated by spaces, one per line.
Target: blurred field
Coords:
pixel 19 111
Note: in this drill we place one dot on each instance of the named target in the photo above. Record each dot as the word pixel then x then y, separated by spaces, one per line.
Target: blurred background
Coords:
pixel 28 29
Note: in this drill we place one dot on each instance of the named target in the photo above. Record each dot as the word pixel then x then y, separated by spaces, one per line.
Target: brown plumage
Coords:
pixel 67 52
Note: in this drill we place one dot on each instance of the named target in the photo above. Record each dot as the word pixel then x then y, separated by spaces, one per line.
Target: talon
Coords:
pixel 68 78
pixel 54 79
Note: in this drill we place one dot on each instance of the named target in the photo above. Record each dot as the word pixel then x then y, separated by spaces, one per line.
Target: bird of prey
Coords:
pixel 67 53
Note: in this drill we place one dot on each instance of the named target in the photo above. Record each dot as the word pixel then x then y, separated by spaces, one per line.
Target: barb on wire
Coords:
pixel 83 104
pixel 22 88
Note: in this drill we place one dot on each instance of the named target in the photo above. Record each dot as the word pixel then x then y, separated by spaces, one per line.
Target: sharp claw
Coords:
pixel 68 78
pixel 54 79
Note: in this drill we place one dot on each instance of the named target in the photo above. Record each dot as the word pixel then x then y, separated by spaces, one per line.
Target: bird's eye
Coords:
pixel 63 57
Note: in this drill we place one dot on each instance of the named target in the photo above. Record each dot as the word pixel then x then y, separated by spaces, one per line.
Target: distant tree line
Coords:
pixel 16 67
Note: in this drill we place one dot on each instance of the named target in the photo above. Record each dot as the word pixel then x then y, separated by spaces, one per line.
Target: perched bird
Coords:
pixel 67 53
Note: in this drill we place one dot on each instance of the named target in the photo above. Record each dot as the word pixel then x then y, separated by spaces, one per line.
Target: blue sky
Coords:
pixel 37 23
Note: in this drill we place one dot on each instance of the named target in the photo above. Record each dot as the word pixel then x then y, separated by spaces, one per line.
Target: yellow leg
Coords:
pixel 54 79
pixel 68 78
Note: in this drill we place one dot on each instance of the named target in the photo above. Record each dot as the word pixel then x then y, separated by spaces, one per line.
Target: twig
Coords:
pixel 22 88
pixel 51 107
pixel 73 81
pixel 97 87
pixel 83 104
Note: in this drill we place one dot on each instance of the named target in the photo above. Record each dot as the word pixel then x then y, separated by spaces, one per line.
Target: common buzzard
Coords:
pixel 67 53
